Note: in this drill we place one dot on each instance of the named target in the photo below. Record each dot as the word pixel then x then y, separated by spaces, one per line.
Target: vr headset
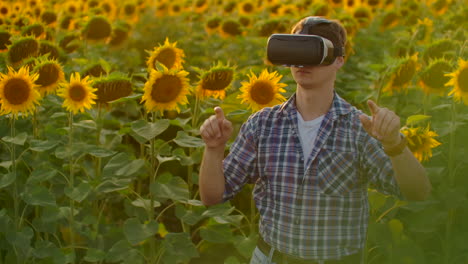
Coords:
pixel 299 50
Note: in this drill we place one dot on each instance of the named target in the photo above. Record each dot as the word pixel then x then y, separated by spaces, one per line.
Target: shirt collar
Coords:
pixel 339 106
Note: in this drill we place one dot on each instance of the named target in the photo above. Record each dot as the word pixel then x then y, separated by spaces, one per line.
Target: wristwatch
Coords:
pixel 398 149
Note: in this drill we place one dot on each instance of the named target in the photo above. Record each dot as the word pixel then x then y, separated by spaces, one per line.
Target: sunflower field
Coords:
pixel 101 102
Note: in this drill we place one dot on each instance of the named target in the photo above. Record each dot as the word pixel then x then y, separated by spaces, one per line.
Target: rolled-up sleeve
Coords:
pixel 240 166
pixel 378 168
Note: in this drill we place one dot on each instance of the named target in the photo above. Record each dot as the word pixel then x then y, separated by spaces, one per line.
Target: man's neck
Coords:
pixel 312 103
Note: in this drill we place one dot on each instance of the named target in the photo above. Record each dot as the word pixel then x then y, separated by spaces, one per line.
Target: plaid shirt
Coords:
pixel 318 211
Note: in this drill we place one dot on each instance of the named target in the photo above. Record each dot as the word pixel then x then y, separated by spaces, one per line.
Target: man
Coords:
pixel 311 159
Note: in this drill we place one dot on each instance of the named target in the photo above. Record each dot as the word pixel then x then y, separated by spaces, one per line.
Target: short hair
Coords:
pixel 332 31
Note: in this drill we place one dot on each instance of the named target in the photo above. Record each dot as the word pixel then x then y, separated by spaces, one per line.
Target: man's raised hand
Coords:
pixel 384 124
pixel 216 130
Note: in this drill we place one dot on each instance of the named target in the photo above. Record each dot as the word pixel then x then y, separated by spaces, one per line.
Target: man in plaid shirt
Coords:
pixel 311 159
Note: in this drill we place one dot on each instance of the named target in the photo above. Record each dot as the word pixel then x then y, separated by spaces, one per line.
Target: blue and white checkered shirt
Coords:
pixel 318 211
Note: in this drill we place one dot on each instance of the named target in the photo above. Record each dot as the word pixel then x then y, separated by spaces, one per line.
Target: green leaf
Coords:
pixel 216 233
pixel 6 164
pixel 246 245
pixel 231 260
pixel 176 189
pixel 43 249
pixel 149 130
pixel 17 140
pixel 119 251
pixel 21 239
pixel 94 255
pixel 88 124
pixel 42 145
pixel 396 227
pixel 131 168
pixel 415 119
pixel 184 140
pixel 41 175
pixel 218 210
pixel 229 219
pixel 178 248
pixel 38 195
pixel 135 232
pixel 112 185
pixel 131 97
pixel 7 179
pixel 99 152
pixel 79 193
pixel 145 203
pixel 116 163
pixel 180 155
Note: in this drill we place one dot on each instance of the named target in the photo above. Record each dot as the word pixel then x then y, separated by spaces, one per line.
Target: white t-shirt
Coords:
pixel 308 132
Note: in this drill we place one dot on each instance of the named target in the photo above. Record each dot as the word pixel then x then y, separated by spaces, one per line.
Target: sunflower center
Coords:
pixel 262 92
pixel 49 17
pixel 4 10
pixel 463 80
pixel 4 40
pixel 166 89
pixel 98 28
pixel 167 57
pixel 217 81
pixel 77 92
pixel 16 91
pixel 405 73
pixel 129 9
pixel 48 75
pixel 434 76
pixel 247 7
pixel 232 28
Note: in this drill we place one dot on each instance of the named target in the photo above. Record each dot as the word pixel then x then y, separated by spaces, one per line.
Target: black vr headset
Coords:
pixel 299 50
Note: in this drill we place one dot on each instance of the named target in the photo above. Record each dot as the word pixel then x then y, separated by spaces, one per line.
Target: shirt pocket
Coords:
pixel 337 172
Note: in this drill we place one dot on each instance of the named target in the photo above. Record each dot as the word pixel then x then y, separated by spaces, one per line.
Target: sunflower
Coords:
pixel 336 3
pixel 50 75
pixel 21 49
pixel 402 74
pixel 439 7
pixel 168 55
pixel 112 88
pixel 36 30
pixel 459 81
pixel 4 40
pixel 363 14
pixel 49 17
pixel 175 9
pixel 201 6
pixel 212 24
pixel 18 92
pixel 424 29
pixel 442 48
pixel 433 78
pixel 78 94
pixel 389 20
pixel 120 33
pixel 166 90
pixel 262 91
pixel 48 47
pixel 229 7
pixel 215 81
pixel 70 42
pixel 421 141
pixel 98 28
pixel 230 28
pixel 246 8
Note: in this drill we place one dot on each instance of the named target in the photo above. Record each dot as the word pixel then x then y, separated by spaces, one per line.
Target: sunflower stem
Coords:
pixel 451 167
pixel 98 142
pixel 152 180
pixel 13 166
pixel 71 182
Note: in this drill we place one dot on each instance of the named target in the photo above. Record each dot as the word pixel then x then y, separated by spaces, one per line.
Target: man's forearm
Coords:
pixel 411 176
pixel 211 179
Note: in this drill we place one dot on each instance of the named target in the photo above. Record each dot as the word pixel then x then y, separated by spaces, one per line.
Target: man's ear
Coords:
pixel 339 62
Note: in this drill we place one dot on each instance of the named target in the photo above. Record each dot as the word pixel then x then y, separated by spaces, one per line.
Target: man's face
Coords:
pixel 313 76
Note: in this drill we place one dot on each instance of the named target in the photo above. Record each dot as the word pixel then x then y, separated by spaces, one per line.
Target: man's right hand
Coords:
pixel 216 130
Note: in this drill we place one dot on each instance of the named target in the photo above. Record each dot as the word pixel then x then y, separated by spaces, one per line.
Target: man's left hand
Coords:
pixel 384 125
